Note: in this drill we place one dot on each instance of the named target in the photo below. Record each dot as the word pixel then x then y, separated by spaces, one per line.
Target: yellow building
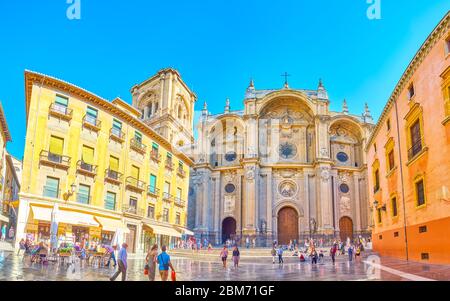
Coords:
pixel 5 137
pixel 98 170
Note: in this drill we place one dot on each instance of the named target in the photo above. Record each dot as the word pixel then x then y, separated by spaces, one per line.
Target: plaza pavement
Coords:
pixel 255 266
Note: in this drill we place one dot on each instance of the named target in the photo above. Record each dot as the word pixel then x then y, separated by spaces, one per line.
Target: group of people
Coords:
pixel 5 234
pixel 236 256
pixel 151 260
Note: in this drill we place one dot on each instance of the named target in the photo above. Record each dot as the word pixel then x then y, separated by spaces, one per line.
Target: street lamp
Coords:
pixel 71 192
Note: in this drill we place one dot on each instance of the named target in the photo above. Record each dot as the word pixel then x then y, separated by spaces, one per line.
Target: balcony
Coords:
pixel 138 146
pixel 181 172
pixel 117 135
pixel 60 111
pixel 135 185
pixel 179 202
pixel 169 164
pixel 153 191
pixel 415 150
pixel 92 123
pixel 113 177
pixel 86 169
pixel 54 160
pixel 132 210
pixel 168 197
pixel 155 156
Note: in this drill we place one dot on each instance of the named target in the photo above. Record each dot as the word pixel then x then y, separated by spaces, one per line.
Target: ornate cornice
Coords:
pixel 5 130
pixel 32 78
pixel 426 47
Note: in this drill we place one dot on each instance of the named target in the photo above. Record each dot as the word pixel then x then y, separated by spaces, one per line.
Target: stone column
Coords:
pixel 269 202
pixel 357 203
pixel 216 204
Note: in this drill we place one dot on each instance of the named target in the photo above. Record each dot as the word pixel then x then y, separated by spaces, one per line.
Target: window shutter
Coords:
pixel 135 172
pixel 114 163
pixel 61 100
pixel 56 145
pixel 88 155
pixel 92 112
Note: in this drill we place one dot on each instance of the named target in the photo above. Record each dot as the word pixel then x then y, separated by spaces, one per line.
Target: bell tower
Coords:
pixel 167 105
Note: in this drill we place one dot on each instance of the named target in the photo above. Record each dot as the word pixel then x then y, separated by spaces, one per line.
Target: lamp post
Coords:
pixel 71 192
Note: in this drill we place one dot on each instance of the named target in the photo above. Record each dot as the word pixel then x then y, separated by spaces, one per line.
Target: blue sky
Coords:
pixel 217 45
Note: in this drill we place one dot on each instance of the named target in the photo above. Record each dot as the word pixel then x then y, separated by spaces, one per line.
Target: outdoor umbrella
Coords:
pixel 54 228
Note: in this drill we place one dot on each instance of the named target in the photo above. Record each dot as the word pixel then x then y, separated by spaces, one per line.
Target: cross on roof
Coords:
pixel 286 75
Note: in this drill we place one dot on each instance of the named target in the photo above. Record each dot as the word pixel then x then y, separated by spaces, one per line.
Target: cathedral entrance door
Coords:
pixel 346 228
pixel 287 225
pixel 228 229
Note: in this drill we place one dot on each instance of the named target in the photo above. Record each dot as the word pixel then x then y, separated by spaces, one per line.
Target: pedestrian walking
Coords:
pixel 350 253
pixel 280 255
pixel 358 253
pixel 247 242
pixel 164 264
pixel 122 262
pixel 21 246
pixel 4 232
pixel 112 256
pixel 236 256
pixel 151 260
pixel 224 256
pixel 274 254
pixel 333 252
pixel 314 256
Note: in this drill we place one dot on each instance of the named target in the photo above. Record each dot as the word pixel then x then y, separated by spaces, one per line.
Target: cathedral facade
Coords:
pixel 283 168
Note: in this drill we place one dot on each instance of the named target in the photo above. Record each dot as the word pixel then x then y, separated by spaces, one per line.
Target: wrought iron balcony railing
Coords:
pixel 155 156
pixel 55 160
pixel 138 146
pixel 135 184
pixel 117 135
pixel 129 209
pixel 92 123
pixel 113 176
pixel 60 111
pixel 153 190
pixel 415 149
pixel 85 168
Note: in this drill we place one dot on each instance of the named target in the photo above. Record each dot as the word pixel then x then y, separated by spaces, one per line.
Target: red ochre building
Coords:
pixel 409 159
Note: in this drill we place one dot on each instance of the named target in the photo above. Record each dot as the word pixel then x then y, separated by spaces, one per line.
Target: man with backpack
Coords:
pixel 164 264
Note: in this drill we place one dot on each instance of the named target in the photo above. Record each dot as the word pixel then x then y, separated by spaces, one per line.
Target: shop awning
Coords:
pixel 111 225
pixel 185 231
pixel 161 230
pixel 42 214
pixel 4 218
pixel 76 218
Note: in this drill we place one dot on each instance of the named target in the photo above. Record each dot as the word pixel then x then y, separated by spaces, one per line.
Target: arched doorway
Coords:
pixel 287 225
pixel 346 228
pixel 228 229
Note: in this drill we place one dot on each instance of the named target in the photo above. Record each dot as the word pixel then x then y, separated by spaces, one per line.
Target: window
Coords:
pixel 396 234
pixel 179 193
pixel 391 160
pixel 155 148
pixel 153 183
pixel 51 188
pixel 416 139
pixel 88 155
pixel 231 156
pixel 61 103
pixel 180 165
pixel 167 188
pixel 377 180
pixel 91 115
pixel 83 196
pixel 135 172
pixel 166 215
pixel 117 128
pixel 420 193
pixel 411 91
pixel 379 219
pixel 423 229
pixel 114 163
pixel 447 45
pixel 151 212
pixel 344 188
pixel 342 157
pixel 133 205
pixel 375 147
pixel 138 137
pixel 388 124
pixel 394 207
pixel 230 188
pixel 56 148
pixel 178 219
pixel 110 201
pixel 149 112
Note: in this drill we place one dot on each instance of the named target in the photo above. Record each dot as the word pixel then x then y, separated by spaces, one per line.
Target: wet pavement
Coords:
pixel 192 267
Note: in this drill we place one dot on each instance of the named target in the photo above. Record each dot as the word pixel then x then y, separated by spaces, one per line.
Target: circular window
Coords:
pixel 343 157
pixel 344 188
pixel 230 188
pixel 287 150
pixel 231 156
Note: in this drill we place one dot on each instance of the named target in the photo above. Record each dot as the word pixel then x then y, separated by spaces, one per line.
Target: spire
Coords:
pixel 251 86
pixel 345 107
pixel 367 115
pixel 321 91
pixel 227 106
pixel 205 109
